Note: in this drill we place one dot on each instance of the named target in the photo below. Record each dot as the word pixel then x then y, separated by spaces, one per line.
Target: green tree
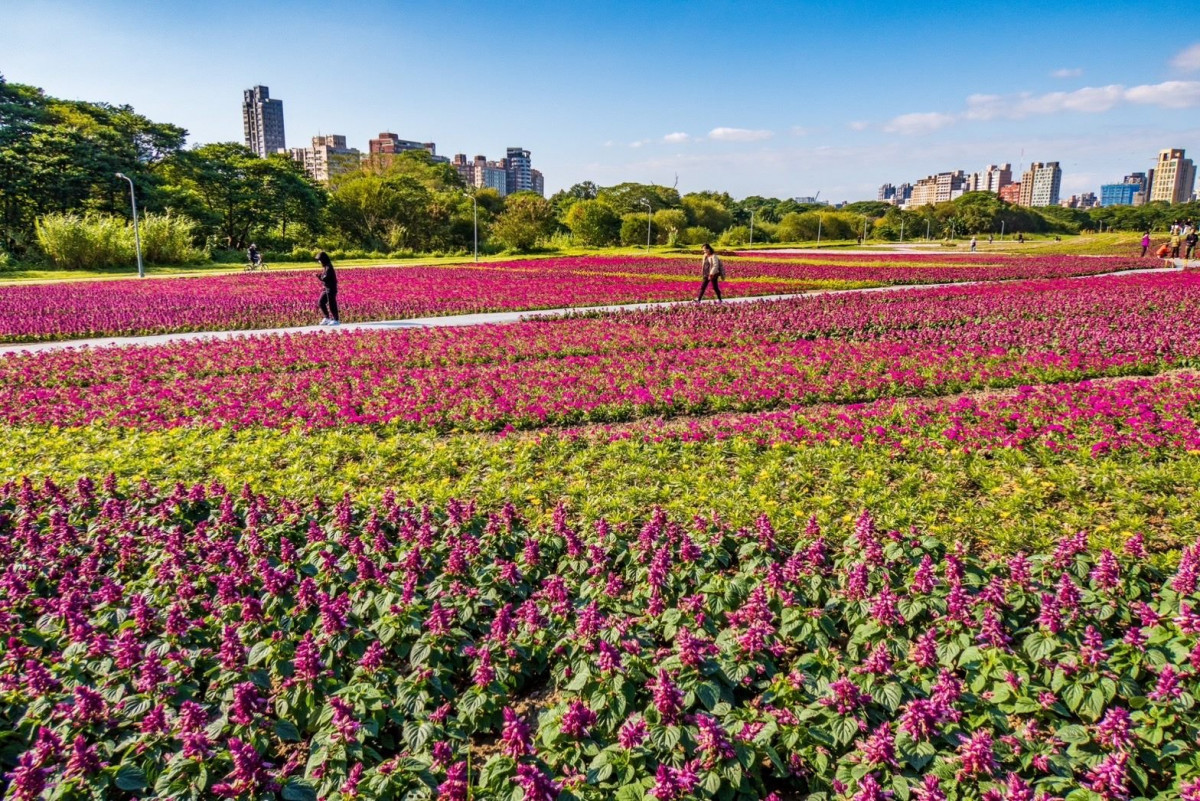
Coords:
pixel 707 213
pixel 627 198
pixel 380 212
pixel 527 217
pixel 594 223
pixel 670 225
pixel 634 229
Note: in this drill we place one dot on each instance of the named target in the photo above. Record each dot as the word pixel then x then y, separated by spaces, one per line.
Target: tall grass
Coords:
pixel 97 241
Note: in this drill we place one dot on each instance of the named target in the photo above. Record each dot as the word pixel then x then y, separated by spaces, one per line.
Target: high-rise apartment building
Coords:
pixel 328 158
pixel 481 173
pixel 1040 184
pixel 1130 192
pixel 887 194
pixel 1174 177
pixel 389 144
pixel 995 178
pixel 518 166
pixel 537 181
pixel 1011 193
pixel 262 121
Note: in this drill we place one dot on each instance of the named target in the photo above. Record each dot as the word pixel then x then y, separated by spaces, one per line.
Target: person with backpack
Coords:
pixel 712 271
pixel 1145 243
pixel 328 302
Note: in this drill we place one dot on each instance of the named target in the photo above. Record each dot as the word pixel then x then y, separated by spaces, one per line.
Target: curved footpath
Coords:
pixel 456 320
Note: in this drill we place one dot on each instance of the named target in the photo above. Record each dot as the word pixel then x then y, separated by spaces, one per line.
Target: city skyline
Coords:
pixel 781 106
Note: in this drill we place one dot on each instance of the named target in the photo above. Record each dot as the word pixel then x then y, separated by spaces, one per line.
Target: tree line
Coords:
pixel 58 160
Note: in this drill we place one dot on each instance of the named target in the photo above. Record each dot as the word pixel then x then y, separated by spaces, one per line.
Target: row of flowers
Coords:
pixel 241 301
pixel 629 366
pixel 201 643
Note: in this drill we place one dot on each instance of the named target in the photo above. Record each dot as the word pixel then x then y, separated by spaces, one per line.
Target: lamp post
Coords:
pixel 901 230
pixel 1002 230
pixel 649 216
pixel 927 221
pixel 475 200
pixel 820 219
pixel 751 227
pixel 137 239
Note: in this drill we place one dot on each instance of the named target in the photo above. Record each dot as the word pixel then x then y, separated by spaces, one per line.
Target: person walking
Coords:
pixel 328 301
pixel 974 244
pixel 1145 243
pixel 712 271
pixel 1190 240
pixel 1176 241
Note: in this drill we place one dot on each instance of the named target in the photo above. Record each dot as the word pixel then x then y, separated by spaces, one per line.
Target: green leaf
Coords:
pixel 709 694
pixel 130 778
pixel 1074 734
pixel 298 790
pixel 286 730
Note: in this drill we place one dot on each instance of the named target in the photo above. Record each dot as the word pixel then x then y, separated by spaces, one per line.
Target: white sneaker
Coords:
pixel 335 322
pixel 324 321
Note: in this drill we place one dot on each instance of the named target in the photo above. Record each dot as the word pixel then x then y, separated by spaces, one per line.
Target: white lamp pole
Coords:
pixel 475 200
pixel 820 219
pixel 649 216
pixel 901 230
pixel 751 227
pixel 137 240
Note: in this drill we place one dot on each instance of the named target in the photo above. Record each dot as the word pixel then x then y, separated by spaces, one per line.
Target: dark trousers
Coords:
pixel 1144 249
pixel 328 303
pixel 714 280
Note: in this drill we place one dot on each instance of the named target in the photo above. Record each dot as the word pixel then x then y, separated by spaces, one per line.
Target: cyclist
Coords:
pixel 255 256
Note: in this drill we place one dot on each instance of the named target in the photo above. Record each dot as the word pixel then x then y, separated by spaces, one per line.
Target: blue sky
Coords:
pixel 778 99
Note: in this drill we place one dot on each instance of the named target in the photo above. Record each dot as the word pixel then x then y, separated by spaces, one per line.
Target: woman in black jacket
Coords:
pixel 328 302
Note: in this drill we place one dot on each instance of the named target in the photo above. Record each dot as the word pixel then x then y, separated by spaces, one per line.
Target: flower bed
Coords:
pixel 197 644
pixel 283 299
pixel 662 362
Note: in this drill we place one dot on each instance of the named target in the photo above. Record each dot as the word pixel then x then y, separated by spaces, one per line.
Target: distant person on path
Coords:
pixel 1190 240
pixel 254 256
pixel 1176 241
pixel 711 270
pixel 1021 238
pixel 974 244
pixel 328 302
pixel 1145 243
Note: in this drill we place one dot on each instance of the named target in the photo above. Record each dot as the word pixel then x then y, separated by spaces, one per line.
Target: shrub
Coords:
pixel 696 235
pixel 168 238
pixel 89 242
pixel 737 235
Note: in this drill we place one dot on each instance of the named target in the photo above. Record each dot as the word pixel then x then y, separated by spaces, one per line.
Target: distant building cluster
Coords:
pixel 330 156
pixel 1171 180
pixel 1039 186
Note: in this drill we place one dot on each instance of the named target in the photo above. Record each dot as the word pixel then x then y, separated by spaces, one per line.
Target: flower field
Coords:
pixel 667 362
pixel 924 543
pixel 200 643
pixel 285 299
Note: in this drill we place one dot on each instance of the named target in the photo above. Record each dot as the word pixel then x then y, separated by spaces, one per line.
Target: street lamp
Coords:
pixel 137 240
pixel 927 221
pixel 751 227
pixel 901 230
pixel 820 219
pixel 475 200
pixel 649 215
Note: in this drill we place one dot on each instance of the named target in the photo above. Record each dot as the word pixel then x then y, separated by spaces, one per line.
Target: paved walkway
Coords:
pixel 460 320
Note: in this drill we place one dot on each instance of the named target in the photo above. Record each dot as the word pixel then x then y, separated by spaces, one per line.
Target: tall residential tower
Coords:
pixel 262 121
pixel 1174 178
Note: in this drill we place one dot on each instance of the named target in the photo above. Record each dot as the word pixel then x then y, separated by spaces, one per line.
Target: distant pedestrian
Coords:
pixel 1021 238
pixel 328 301
pixel 1176 241
pixel 1190 240
pixel 712 271
pixel 1145 243
pixel 974 244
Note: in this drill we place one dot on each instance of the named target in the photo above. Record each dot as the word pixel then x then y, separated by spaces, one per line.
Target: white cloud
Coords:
pixel 918 123
pixel 639 143
pixel 1187 60
pixel 676 138
pixel 798 130
pixel 859 125
pixel 1067 72
pixel 738 135
pixel 1169 94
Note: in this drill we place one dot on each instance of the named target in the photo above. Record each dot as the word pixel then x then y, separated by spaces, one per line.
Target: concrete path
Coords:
pixel 460 320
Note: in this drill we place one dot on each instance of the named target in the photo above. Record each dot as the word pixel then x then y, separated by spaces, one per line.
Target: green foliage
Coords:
pixel 96 241
pixel 804 226
pixel 634 229
pixel 527 217
pixel 737 235
pixel 707 213
pixel 60 156
pixel 593 223
pixel 697 235
pixel 78 242
pixel 627 198
pixel 669 225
